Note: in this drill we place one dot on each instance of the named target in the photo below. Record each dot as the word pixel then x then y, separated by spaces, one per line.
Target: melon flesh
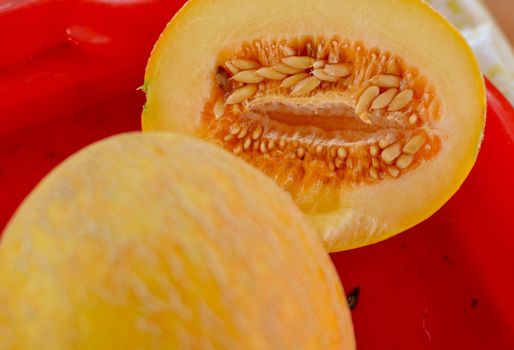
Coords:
pixel 411 74
pixel 159 241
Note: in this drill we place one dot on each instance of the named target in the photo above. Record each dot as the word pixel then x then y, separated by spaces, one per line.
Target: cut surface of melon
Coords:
pixel 369 113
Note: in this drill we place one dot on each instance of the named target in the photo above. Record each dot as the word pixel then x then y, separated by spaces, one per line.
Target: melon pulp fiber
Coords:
pixel 369 113
pixel 159 241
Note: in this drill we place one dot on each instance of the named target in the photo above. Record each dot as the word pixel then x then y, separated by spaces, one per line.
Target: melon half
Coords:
pixel 370 113
pixel 159 241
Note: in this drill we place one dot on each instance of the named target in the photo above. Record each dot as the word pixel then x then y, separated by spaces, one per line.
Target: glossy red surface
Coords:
pixel 445 284
pixel 65 55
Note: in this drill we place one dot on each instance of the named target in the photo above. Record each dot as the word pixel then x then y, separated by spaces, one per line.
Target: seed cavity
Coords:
pixel 343 107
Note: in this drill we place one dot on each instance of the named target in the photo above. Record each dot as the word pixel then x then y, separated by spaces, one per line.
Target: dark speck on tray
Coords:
pixel 353 298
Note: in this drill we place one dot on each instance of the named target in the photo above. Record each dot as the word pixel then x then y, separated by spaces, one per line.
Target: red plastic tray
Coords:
pixel 446 284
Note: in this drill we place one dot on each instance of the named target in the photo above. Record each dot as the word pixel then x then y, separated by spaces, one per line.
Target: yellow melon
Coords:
pixel 369 113
pixel 164 242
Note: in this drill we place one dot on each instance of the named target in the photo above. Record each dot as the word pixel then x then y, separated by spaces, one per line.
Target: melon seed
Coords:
pixel 299 62
pixel 414 144
pixel 284 68
pixel 384 99
pixel 401 100
pixel 386 81
pixel 365 100
pixel 242 94
pixel 243 64
pixel 338 70
pixel 321 75
pixel 389 154
pixel 293 80
pixel 305 86
pixel 271 73
pixel 248 76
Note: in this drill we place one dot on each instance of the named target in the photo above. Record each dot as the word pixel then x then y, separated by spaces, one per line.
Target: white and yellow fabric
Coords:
pixel 485 37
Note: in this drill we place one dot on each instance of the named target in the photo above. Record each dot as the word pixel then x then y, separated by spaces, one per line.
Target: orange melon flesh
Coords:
pixel 159 241
pixel 334 158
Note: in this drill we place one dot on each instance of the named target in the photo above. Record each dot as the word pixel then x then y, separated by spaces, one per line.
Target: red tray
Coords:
pixel 448 283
